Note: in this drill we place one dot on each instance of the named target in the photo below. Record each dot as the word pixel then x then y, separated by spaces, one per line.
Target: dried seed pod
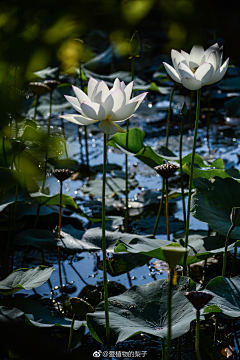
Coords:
pixel 173 254
pixel 62 174
pixel 52 84
pixel 39 88
pixel 166 170
pixel 198 299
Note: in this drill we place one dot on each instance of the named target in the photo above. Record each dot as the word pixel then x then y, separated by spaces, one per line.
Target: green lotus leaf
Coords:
pixel 226 294
pixel 40 238
pixel 114 185
pixel 74 241
pixel 25 279
pixel 213 203
pixel 143 309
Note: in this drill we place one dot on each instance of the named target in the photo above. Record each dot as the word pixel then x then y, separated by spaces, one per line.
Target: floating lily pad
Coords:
pixel 208 174
pixel 40 238
pixel 213 203
pixel 25 279
pixel 146 154
pixel 226 294
pixel 91 240
pixel 43 317
pixel 143 309
pixel 114 186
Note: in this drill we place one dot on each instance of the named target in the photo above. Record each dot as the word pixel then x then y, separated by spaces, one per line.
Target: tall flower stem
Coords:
pixel 234 261
pixel 104 243
pixel 179 348
pixel 167 211
pixel 163 348
pixel 225 250
pixel 126 158
pixel 59 253
pixel 191 177
pixel 190 113
pixel 169 115
pixel 209 114
pixel 181 172
pixel 159 209
pixel 169 304
pixel 216 335
pixel 86 146
pixel 197 335
pixel 35 109
pixel 48 135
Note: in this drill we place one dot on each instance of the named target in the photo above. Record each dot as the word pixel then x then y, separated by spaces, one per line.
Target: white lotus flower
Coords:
pixel 198 68
pixel 104 105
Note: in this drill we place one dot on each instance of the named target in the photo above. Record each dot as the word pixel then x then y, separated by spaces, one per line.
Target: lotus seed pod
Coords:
pixel 52 84
pixel 166 170
pixel 62 174
pixel 198 299
pixel 235 216
pixel 39 88
pixel 173 254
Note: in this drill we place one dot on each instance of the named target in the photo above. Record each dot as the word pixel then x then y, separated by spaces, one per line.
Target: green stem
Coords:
pixel 104 244
pixel 209 113
pixel 37 216
pixel 225 250
pixel 179 348
pixel 167 211
pixel 48 135
pixel 71 334
pixel 86 146
pixel 59 252
pixel 234 261
pixel 169 304
pixel 63 132
pixel 197 335
pixel 191 178
pixel 190 114
pixel 4 151
pixel 163 348
pixel 159 209
pixel 80 144
pixel 181 172
pixel 169 115
pixel 216 336
pixel 132 67
pixel 35 109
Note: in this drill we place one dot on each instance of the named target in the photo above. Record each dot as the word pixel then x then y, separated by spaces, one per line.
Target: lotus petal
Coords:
pixel 219 74
pixel 92 83
pixel 118 99
pixel 116 85
pixel 81 96
pixel 127 91
pixel 108 127
pixel 138 99
pixel 184 71
pixel 93 111
pixel 100 92
pixel 214 47
pixel 125 112
pixel 196 54
pixel 191 83
pixel 74 102
pixel 172 72
pixel 176 55
pixel 186 56
pixel 212 59
pixel 204 73
pixel 78 119
pixel 108 105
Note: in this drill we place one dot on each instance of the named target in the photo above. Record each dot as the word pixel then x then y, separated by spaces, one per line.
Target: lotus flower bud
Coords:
pixel 198 299
pixel 184 109
pixel 62 174
pixel 134 46
pixel 166 170
pixel 173 254
pixel 235 216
